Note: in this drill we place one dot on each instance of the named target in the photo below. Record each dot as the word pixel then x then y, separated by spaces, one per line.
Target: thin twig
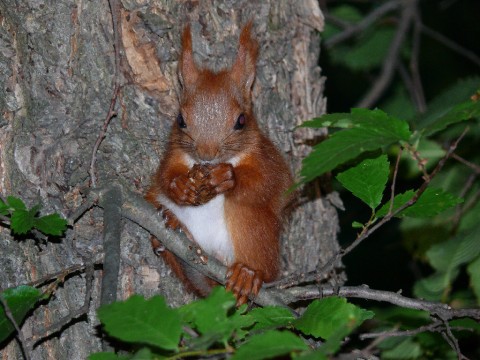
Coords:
pixel 296 279
pixel 40 333
pixel 355 29
pixel 115 9
pixel 470 55
pixel 417 87
pixel 452 340
pixel 25 346
pixel 392 58
pixel 394 180
pixel 433 327
pixel 474 167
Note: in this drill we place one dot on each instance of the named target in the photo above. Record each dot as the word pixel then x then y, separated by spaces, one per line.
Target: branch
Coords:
pixel 352 30
pixel 391 60
pixel 442 311
pixel 137 210
pixel 112 231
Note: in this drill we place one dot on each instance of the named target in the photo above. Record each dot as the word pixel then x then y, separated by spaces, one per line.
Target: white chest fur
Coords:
pixel 207 225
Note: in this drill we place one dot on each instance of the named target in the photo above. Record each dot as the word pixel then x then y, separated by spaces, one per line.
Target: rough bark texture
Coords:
pixel 56 82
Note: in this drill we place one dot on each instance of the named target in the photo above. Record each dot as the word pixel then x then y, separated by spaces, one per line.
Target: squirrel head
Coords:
pixel 216 122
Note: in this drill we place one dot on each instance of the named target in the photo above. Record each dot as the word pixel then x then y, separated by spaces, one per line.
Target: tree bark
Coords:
pixel 57 76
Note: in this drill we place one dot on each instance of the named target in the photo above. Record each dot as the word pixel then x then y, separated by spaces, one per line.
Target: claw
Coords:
pixel 243 282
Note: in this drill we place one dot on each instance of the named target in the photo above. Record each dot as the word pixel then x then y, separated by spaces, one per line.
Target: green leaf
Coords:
pixel 268 345
pixel 446 258
pixel 107 356
pixel 20 301
pixel 371 130
pixel 137 320
pixel 331 318
pixel 406 349
pixel 4 208
pixel 432 288
pixel 399 104
pixel 216 316
pixel 367 180
pixel 357 225
pixel 467 324
pixel 465 111
pixel 145 354
pixel 451 106
pixel 51 224
pixel 22 221
pixel 16 203
pixel 474 271
pixel 366 54
pixel 344 12
pixel 432 202
pixel 271 317
pixel 457 251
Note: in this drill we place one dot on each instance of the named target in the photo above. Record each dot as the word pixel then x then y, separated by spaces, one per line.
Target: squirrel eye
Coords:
pixel 181 122
pixel 240 124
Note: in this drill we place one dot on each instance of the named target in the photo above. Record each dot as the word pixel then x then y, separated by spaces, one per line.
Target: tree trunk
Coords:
pixel 57 66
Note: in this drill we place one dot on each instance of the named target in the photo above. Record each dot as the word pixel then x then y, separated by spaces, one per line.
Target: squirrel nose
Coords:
pixel 207 152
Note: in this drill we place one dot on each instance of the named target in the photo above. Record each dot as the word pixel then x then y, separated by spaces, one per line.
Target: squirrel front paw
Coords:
pixel 243 282
pixel 183 190
pixel 221 177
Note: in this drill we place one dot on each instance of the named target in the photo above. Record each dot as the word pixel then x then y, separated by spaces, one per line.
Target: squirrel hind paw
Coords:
pixel 243 282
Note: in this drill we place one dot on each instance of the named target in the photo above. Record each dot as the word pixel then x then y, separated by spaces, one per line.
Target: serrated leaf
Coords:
pixel 371 130
pixel 216 315
pixel 406 349
pixel 448 107
pixel 137 320
pixel 474 271
pixel 270 317
pixel 22 221
pixel 432 288
pixel 325 318
pixel 367 180
pixel 457 251
pixel 16 203
pixel 432 202
pixel 446 258
pixel 268 345
pixel 20 301
pixel 51 224
pixel 465 111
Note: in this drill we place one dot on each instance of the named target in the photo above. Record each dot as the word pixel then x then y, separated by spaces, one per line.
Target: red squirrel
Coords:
pixel 221 179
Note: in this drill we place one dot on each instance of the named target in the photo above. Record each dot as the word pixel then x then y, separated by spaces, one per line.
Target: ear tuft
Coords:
pixel 243 70
pixel 187 70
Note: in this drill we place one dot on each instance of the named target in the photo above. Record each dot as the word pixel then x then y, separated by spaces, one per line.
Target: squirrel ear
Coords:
pixel 243 70
pixel 187 70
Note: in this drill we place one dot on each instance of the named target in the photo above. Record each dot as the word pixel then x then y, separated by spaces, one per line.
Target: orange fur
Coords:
pixel 217 130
